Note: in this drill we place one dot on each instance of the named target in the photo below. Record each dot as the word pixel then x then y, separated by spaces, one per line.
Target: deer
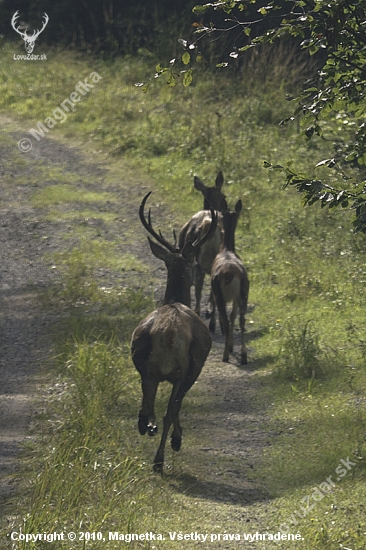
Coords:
pixel 29 40
pixel 197 226
pixel 172 343
pixel 229 283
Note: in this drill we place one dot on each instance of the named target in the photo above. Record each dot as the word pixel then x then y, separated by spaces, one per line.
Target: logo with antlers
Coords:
pixel 28 40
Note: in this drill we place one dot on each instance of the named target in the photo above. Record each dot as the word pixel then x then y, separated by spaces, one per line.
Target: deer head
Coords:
pixel 212 195
pixel 179 263
pixel 28 40
pixel 230 220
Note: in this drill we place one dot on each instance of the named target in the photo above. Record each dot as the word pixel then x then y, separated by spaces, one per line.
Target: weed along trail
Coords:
pixel 75 263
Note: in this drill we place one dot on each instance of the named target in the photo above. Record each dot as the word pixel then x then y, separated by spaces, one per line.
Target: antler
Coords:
pixel 13 22
pixel 147 224
pixel 210 231
pixel 46 19
pixel 24 34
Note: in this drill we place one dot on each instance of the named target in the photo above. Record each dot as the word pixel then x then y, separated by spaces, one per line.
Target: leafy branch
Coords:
pixel 314 190
pixel 336 30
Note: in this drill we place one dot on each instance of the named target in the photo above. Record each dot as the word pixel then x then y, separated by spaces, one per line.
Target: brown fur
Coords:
pixel 197 226
pixel 230 283
pixel 171 344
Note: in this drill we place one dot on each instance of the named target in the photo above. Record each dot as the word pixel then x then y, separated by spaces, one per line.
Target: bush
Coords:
pixel 301 356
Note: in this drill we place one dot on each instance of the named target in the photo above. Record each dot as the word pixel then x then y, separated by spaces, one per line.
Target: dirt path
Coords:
pixel 231 440
pixel 24 337
pixel 26 327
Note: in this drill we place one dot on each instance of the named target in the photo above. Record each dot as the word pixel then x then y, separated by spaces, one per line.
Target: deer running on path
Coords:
pixel 171 343
pixel 230 283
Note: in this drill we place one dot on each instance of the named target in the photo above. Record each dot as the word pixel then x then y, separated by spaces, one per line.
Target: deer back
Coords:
pixel 197 225
pixel 227 266
pixel 171 336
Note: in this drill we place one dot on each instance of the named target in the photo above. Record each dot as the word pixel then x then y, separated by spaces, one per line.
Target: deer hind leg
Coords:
pixel 219 302
pixel 221 307
pixel 196 362
pixel 176 440
pixel 171 415
pixel 199 277
pixel 230 339
pixel 175 402
pixel 212 324
pixel 146 421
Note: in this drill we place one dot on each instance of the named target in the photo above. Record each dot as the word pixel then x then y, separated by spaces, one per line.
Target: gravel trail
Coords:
pixel 230 419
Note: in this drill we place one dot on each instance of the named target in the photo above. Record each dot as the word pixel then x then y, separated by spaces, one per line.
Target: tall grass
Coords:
pixel 86 476
pixel 302 356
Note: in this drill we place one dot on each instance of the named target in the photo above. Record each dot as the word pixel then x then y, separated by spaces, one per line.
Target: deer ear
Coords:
pixel 238 207
pixel 199 185
pixel 219 180
pixel 159 252
pixel 188 252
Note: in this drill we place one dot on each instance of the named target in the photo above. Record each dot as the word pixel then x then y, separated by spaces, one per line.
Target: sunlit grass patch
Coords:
pixel 80 265
pixel 333 521
pixel 98 253
pixel 66 193
pixel 319 418
pixel 79 215
pixel 317 434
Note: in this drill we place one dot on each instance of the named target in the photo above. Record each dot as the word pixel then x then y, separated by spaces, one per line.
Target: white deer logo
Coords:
pixel 29 40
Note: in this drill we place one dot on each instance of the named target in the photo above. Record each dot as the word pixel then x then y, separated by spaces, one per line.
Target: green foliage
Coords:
pixel 302 357
pixel 300 353
pixel 315 190
pixel 335 31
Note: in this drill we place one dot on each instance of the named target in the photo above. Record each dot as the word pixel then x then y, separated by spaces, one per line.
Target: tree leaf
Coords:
pixel 327 162
pixel 187 78
pixel 186 58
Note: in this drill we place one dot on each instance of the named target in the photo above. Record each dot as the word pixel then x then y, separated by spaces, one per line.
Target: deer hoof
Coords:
pixel 158 467
pixel 152 430
pixel 244 360
pixel 142 425
pixel 176 443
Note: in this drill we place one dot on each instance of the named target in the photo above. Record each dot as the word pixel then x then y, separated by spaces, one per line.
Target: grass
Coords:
pixel 79 268
pixel 66 193
pixel 307 296
pixel 83 442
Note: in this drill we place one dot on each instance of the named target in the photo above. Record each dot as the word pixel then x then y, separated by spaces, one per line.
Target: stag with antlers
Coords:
pixel 171 343
pixel 28 40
